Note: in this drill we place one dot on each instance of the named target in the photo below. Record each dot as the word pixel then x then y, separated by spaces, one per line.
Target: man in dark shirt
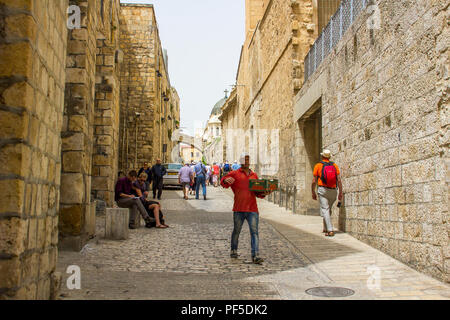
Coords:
pixel 148 171
pixel 125 198
pixel 158 172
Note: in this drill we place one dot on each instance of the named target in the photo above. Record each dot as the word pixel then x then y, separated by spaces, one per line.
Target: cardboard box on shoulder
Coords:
pixel 259 185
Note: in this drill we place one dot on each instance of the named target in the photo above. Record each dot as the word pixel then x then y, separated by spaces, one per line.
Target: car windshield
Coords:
pixel 173 166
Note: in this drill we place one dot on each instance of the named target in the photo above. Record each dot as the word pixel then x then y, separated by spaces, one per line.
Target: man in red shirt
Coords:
pixel 245 207
pixel 216 173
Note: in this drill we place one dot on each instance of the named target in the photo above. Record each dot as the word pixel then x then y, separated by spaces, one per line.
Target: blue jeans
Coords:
pixel 252 220
pixel 200 180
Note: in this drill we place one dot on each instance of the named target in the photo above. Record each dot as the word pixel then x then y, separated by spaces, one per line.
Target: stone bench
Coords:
pixel 116 226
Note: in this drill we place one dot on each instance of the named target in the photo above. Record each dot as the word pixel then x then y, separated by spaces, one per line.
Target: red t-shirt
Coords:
pixel 216 169
pixel 244 199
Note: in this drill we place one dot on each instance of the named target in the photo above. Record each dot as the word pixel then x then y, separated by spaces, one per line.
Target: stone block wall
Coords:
pixel 146 96
pixel 32 78
pixel 107 106
pixel 271 69
pixel 77 134
pixel 138 86
pixel 385 118
pixel 59 133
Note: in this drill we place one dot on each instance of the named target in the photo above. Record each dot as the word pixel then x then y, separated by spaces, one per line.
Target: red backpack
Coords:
pixel 329 174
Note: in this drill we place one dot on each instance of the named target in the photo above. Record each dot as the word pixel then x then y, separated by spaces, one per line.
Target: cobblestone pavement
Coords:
pixel 190 260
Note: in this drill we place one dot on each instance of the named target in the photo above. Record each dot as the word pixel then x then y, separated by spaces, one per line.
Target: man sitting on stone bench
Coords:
pixel 125 198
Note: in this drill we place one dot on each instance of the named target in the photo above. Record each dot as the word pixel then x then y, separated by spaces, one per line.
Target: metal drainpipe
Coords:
pixel 136 144
pixel 293 202
pixel 287 196
pixel 126 159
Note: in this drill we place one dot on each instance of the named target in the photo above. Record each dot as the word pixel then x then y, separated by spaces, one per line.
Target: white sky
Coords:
pixel 203 39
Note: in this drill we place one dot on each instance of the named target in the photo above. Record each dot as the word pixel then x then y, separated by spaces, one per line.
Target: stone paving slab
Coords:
pixel 190 260
pixel 351 263
pixel 193 252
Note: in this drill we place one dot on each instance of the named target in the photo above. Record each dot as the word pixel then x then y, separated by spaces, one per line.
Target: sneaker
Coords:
pixel 204 196
pixel 234 254
pixel 257 260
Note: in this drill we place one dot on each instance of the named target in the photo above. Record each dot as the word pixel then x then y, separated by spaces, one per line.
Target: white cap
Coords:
pixel 326 154
pixel 242 158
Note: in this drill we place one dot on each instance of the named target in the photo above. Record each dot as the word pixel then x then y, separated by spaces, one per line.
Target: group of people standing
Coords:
pixel 155 174
pixel 195 175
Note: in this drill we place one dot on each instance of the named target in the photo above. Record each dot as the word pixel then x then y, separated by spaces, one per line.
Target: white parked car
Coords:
pixel 171 177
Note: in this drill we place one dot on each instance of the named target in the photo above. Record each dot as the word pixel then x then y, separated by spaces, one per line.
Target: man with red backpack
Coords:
pixel 326 176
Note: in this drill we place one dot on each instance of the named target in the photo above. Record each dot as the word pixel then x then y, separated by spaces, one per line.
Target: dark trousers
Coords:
pixel 157 186
pixel 136 207
pixel 151 213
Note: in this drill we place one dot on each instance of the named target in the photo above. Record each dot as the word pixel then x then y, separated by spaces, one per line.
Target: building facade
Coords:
pixel 372 89
pixel 212 134
pixel 64 80
pixel 379 98
pixel 150 106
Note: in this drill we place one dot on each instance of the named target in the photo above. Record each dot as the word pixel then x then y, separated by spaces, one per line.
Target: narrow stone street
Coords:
pixel 190 260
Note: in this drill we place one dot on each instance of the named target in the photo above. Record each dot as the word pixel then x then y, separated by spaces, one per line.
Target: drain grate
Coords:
pixel 330 292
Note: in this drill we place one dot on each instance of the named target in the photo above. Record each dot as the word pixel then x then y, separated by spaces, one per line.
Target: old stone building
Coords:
pixel 89 134
pixel 62 90
pixel 381 100
pixel 150 106
pixel 212 134
pixel 373 89
pixel 33 47
pixel 229 121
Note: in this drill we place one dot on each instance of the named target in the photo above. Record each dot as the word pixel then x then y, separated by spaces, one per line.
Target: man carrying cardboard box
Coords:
pixel 245 206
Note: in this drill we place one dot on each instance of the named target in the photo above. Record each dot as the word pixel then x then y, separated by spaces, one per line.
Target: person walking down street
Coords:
pixel 327 177
pixel 216 173
pixel 158 172
pixel 245 206
pixel 208 174
pixel 148 171
pixel 200 173
pixel 193 183
pixel 226 168
pixel 125 198
pixel 185 178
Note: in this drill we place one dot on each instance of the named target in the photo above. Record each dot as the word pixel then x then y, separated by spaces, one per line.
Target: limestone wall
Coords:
pixel 59 132
pixel 32 63
pixel 385 118
pixel 145 90
pixel 107 107
pixel 270 73
pixel 77 212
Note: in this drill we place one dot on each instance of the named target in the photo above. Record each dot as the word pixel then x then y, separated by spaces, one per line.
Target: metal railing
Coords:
pixel 343 18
